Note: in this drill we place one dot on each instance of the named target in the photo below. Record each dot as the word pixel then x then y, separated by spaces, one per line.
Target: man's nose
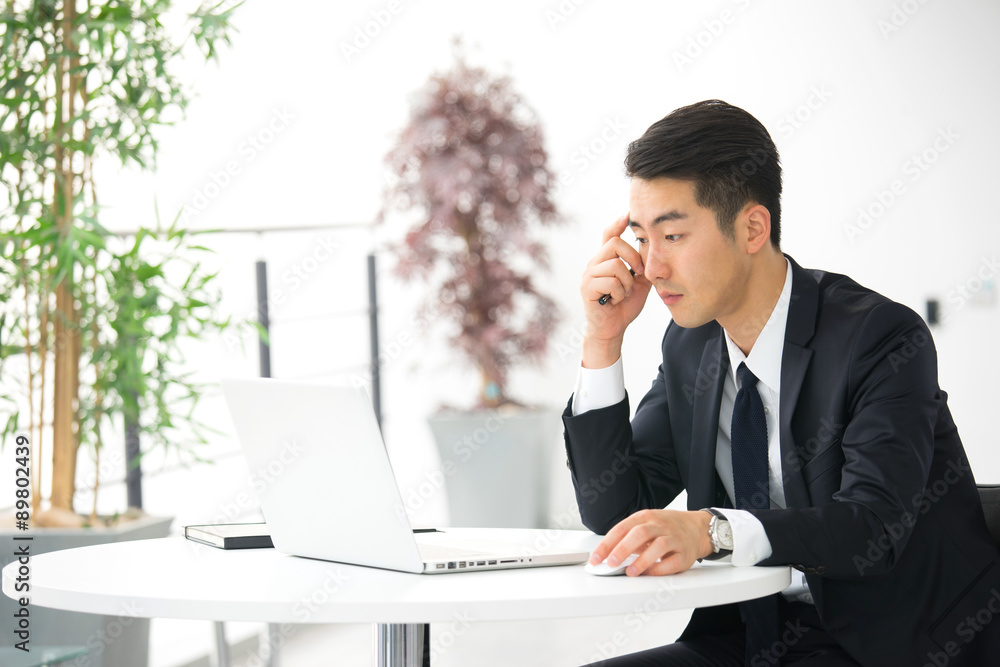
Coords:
pixel 656 267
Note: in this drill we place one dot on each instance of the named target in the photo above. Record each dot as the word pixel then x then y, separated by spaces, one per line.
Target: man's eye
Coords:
pixel 673 238
pixel 641 241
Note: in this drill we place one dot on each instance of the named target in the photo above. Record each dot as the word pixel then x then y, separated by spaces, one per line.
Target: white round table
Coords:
pixel 177 578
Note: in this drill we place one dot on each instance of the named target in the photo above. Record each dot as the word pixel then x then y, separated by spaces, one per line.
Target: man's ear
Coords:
pixel 757 227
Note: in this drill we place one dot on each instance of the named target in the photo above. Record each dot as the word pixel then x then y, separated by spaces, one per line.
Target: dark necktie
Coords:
pixel 750 486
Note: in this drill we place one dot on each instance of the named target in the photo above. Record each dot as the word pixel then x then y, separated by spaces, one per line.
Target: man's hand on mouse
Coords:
pixel 677 539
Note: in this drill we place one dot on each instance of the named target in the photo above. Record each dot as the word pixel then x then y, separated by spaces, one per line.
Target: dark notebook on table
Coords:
pixel 231 535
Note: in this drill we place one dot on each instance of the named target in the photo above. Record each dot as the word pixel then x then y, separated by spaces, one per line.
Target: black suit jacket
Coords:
pixel 883 514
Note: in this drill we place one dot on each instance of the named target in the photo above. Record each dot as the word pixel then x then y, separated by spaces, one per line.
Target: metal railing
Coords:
pixel 134 474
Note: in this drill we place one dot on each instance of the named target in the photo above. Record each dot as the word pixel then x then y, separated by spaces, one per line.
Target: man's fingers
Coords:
pixel 607 287
pixel 618 249
pixel 671 563
pixel 643 539
pixel 616 228
pixel 648 555
pixel 603 548
pixel 658 537
pixel 611 540
pixel 613 257
pixel 601 551
pixel 660 556
pixel 609 277
pixel 631 536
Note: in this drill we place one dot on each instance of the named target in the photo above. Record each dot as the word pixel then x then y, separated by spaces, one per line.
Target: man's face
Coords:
pixel 698 272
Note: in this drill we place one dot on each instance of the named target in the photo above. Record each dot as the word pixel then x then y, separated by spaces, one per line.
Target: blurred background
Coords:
pixel 884 113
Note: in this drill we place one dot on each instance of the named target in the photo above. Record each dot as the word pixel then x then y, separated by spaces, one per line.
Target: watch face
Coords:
pixel 725 535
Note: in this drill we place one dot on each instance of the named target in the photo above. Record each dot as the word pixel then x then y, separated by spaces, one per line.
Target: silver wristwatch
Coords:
pixel 721 535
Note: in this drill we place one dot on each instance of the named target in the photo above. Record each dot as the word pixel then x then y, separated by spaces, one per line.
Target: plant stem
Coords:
pixel 35 461
pixel 99 403
pixel 64 438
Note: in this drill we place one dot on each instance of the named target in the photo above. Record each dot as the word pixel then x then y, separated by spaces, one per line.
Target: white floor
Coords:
pixel 524 643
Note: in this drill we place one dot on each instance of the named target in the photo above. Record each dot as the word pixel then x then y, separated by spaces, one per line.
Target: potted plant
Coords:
pixel 90 323
pixel 472 167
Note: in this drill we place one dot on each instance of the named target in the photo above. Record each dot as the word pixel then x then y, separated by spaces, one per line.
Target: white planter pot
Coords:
pixel 112 640
pixel 498 465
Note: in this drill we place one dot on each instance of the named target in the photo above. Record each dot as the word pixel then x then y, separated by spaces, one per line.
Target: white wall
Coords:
pixel 850 91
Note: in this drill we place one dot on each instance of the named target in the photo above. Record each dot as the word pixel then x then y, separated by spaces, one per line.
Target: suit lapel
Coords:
pixel 795 360
pixel 705 423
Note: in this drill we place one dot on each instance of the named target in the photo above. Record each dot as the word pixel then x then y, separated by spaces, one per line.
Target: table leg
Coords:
pixel 221 645
pixel 402 645
pixel 274 640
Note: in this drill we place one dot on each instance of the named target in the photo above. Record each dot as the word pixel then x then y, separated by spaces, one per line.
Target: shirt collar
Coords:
pixel 765 355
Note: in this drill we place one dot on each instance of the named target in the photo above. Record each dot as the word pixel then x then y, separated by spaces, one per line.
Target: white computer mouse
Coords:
pixel 604 570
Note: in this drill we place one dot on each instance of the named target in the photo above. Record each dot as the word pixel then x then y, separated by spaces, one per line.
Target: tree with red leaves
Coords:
pixel 472 161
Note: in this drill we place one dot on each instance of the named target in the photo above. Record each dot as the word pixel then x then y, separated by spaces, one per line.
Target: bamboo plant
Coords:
pixel 90 323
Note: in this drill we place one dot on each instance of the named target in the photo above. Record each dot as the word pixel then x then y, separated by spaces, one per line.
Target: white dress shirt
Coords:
pixel 599 388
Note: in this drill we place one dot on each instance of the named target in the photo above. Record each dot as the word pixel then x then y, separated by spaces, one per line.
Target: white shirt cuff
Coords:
pixel 598 388
pixel 750 543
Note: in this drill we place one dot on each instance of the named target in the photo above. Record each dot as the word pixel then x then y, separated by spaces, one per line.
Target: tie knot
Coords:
pixel 747 379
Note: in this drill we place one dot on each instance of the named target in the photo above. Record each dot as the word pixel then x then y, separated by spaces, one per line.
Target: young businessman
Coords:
pixel 805 401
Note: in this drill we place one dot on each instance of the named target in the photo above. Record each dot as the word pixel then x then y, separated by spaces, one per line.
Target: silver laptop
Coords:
pixel 326 488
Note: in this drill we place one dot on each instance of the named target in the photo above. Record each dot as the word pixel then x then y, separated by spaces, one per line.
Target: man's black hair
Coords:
pixel 723 150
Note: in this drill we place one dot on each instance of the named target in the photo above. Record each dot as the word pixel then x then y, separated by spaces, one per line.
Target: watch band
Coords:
pixel 719 553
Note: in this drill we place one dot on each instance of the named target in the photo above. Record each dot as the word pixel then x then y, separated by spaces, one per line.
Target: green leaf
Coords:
pixel 147 272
